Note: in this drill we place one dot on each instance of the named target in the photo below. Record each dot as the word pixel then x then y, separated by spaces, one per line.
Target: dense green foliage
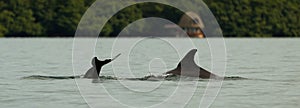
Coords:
pixel 139 11
pixel 237 18
pixel 257 17
pixel 17 19
pixel 40 17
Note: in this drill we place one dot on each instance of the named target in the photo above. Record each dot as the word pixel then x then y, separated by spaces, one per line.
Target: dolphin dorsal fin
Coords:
pixel 188 59
pixel 187 65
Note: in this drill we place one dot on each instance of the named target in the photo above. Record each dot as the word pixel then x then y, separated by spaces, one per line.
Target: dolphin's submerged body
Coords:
pixel 185 68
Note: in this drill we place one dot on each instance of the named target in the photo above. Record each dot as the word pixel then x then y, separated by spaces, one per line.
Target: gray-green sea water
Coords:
pixel 271 65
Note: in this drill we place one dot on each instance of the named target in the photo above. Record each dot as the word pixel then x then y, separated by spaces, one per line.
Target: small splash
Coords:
pixel 108 78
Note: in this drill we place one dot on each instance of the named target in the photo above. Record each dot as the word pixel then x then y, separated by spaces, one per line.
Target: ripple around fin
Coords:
pixel 242 78
pixel 235 78
pixel 41 77
pixel 145 78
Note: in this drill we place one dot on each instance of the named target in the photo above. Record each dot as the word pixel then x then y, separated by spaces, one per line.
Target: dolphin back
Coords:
pixel 188 67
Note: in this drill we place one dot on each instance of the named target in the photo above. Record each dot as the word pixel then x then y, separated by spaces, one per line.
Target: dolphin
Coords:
pixel 93 72
pixel 188 67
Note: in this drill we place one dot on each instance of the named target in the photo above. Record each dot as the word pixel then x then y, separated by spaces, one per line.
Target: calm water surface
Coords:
pixel 272 66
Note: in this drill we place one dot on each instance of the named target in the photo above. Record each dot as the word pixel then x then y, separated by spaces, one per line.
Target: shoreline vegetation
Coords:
pixel 93 37
pixel 53 18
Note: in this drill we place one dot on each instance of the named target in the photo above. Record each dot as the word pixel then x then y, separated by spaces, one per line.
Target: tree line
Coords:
pixel 237 18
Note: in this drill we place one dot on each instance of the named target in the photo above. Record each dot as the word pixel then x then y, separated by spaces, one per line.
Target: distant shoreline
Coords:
pixel 149 37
